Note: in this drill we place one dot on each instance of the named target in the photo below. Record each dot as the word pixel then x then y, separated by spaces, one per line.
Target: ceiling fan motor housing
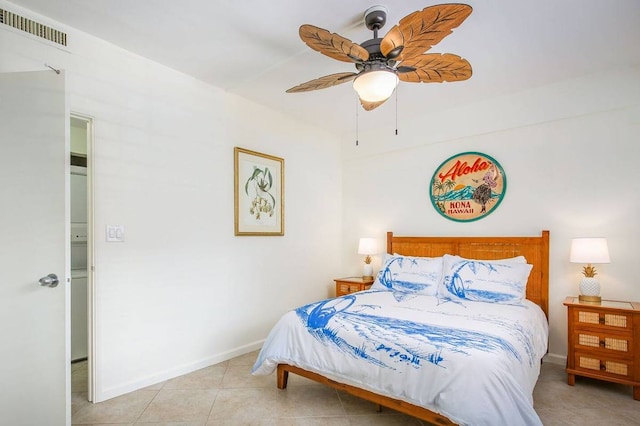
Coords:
pixel 376 58
pixel 373 47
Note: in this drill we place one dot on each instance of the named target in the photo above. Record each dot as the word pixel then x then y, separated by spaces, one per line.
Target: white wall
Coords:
pixel 182 292
pixel 570 154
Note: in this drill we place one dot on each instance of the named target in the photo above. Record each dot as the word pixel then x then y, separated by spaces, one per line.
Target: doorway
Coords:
pixel 81 214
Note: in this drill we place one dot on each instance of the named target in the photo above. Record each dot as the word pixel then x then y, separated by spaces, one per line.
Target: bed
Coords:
pixel 437 344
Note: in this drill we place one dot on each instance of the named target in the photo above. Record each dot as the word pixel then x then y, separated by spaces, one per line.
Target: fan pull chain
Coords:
pixel 396 111
pixel 357 122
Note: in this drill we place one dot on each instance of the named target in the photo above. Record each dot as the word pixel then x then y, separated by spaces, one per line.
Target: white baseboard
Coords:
pixel 555 359
pixel 162 376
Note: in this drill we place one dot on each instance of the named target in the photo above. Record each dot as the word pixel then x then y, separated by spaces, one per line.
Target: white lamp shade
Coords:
pixel 589 250
pixel 368 246
pixel 375 86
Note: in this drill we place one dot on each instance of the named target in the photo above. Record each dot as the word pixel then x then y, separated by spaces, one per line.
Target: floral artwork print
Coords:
pixel 262 202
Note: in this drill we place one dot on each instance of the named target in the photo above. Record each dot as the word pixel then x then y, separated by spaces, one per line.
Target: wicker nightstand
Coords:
pixel 351 285
pixel 604 341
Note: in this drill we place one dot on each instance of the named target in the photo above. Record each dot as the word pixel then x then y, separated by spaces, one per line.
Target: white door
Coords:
pixel 34 349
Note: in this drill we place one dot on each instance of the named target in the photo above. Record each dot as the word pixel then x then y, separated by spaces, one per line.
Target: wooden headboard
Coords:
pixel 534 249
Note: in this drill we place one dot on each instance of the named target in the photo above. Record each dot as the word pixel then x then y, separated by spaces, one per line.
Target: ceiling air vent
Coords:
pixel 32 27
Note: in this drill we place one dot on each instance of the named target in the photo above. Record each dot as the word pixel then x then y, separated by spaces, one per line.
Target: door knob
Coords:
pixel 50 280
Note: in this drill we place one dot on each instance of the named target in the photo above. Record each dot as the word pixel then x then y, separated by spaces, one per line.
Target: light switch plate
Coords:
pixel 115 233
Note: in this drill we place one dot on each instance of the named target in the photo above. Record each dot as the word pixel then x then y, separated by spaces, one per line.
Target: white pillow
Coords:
pixel 419 275
pixel 517 259
pixel 491 281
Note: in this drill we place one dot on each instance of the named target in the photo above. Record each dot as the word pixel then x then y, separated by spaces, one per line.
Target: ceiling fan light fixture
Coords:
pixel 376 85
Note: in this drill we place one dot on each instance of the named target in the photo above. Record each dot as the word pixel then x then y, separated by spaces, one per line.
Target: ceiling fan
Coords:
pixel 382 62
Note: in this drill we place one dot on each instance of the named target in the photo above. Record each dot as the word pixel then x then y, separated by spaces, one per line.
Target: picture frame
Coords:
pixel 258 193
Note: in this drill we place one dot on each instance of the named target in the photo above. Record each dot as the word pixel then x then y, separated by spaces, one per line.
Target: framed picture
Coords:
pixel 468 186
pixel 258 193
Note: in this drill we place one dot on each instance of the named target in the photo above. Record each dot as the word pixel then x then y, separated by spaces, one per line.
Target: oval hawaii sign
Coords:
pixel 468 186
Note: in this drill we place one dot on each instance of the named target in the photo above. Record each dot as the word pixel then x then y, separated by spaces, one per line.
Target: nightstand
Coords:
pixel 604 342
pixel 351 285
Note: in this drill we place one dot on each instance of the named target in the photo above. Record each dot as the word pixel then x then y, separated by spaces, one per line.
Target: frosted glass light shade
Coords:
pixel 375 86
pixel 589 250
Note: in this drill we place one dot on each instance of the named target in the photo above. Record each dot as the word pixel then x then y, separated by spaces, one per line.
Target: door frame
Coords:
pixel 91 293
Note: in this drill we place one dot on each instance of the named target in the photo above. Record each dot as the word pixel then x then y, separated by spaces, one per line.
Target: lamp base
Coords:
pixel 367 272
pixel 589 290
pixel 589 299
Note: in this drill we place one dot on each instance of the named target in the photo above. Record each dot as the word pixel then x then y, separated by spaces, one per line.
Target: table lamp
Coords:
pixel 589 250
pixel 367 246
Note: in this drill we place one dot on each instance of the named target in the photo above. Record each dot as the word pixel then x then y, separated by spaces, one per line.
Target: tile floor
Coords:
pixel 226 394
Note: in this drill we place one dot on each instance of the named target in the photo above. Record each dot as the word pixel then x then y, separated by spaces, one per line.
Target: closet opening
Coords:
pixel 81 214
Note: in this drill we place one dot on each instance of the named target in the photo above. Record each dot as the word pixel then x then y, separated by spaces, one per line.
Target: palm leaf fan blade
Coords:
pixel 368 106
pixel 332 45
pixel 323 82
pixel 420 31
pixel 434 68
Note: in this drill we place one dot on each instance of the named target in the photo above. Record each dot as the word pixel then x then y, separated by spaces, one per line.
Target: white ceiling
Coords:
pixel 252 48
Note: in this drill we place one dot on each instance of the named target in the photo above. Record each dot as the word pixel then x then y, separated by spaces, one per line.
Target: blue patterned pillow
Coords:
pixel 419 275
pixel 484 280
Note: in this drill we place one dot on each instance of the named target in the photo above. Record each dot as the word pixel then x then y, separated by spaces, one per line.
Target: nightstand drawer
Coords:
pixel 617 368
pixel 609 320
pixel 621 345
pixel 346 288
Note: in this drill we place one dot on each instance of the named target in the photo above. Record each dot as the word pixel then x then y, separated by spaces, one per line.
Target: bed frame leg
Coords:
pixel 283 377
pixel 378 408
